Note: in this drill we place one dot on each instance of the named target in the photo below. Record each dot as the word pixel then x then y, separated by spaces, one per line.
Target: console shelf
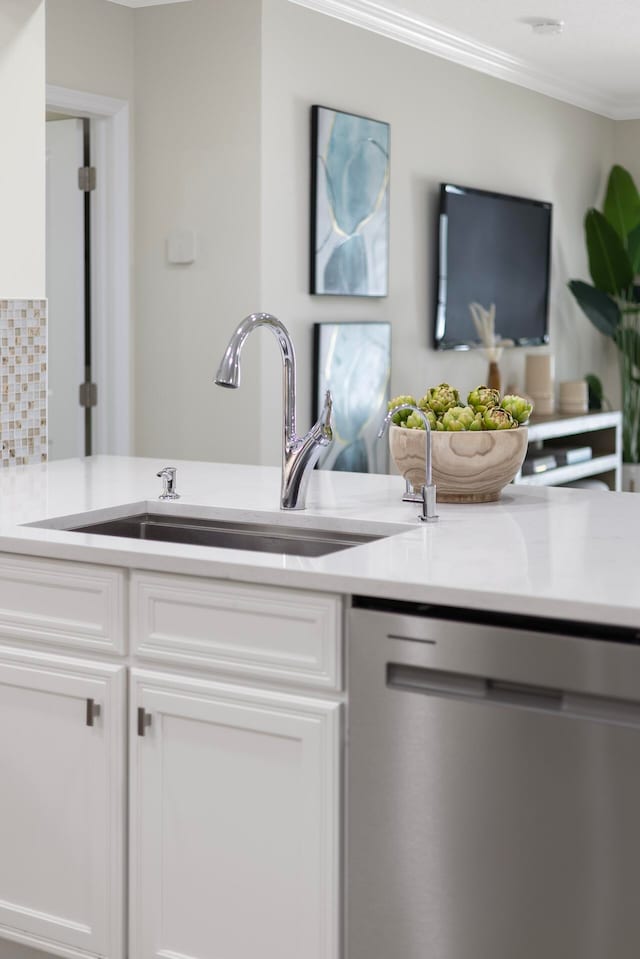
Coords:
pixel 601 431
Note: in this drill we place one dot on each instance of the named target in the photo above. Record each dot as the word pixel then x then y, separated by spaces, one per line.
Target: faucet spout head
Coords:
pixel 229 370
pixel 383 427
pixel 387 419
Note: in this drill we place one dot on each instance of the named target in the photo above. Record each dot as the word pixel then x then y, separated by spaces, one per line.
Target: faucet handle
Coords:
pixel 325 420
pixel 168 477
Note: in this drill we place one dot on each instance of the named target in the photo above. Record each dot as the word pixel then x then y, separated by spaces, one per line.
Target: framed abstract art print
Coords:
pixel 349 204
pixel 353 360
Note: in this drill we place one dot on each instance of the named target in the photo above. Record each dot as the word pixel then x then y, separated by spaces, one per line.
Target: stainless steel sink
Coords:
pixel 260 538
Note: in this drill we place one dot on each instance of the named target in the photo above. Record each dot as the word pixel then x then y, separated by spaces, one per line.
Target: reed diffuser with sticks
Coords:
pixel 492 344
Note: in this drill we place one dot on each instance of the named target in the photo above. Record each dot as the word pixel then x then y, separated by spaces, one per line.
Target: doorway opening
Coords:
pixel 88 274
pixel 69 275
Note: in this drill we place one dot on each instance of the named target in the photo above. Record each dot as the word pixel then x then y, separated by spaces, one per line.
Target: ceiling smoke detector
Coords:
pixel 547 27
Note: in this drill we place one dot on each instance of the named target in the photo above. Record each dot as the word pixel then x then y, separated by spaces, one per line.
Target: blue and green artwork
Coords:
pixel 353 360
pixel 350 204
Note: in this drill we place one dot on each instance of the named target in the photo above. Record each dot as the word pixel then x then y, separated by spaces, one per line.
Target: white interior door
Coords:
pixel 65 287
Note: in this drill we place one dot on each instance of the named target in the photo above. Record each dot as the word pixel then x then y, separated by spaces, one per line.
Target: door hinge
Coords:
pixel 88 395
pixel 144 720
pixel 93 711
pixel 87 178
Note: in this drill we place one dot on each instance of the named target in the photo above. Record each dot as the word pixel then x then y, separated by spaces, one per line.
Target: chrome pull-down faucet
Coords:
pixel 429 489
pixel 299 453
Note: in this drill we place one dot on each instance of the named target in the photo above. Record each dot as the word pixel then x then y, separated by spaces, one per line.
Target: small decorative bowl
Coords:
pixel 468 467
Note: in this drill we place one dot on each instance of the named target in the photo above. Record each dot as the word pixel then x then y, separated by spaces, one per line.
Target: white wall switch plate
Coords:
pixel 181 247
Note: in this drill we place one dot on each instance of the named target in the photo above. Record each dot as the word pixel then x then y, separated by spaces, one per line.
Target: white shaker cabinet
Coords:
pixel 62 808
pixel 233 801
pixel 234 821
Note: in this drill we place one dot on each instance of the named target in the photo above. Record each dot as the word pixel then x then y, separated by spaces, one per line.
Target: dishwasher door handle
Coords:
pixel 479 689
pixel 438 682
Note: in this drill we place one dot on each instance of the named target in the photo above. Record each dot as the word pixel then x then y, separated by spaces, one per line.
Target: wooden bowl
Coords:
pixel 468 467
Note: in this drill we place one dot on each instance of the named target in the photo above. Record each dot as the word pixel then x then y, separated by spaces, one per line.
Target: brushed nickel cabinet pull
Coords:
pixel 93 711
pixel 144 720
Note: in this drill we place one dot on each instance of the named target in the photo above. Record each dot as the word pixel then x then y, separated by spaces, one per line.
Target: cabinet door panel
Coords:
pixel 235 823
pixel 61 805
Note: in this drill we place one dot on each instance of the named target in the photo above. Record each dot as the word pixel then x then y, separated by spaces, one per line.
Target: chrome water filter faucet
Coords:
pixel 429 488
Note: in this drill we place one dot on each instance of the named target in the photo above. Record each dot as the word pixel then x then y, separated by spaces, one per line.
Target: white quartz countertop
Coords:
pixel 568 554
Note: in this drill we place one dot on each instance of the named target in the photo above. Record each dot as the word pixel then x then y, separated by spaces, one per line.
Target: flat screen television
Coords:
pixel 492 248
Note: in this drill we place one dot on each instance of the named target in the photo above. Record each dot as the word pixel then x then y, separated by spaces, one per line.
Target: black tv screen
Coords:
pixel 492 248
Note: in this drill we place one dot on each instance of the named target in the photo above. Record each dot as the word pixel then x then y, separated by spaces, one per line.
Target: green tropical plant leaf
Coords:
pixel 622 202
pixel 596 393
pixel 609 264
pixel 633 249
pixel 628 342
pixel 603 312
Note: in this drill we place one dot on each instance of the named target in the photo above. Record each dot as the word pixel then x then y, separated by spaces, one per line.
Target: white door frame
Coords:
pixel 111 279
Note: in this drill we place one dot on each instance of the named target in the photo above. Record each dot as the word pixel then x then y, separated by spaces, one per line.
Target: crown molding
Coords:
pixel 626 109
pixel 136 4
pixel 416 32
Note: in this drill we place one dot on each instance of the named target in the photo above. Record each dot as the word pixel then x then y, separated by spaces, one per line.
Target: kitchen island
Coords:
pixel 567 554
pixel 175 716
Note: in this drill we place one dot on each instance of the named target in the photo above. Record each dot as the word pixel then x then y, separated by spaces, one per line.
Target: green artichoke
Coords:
pixel 441 398
pixel 499 419
pixel 458 418
pixel 483 398
pixel 402 416
pixel 519 408
pixel 478 423
pixel 415 422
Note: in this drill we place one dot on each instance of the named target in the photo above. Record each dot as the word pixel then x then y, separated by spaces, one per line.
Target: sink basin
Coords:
pixel 292 541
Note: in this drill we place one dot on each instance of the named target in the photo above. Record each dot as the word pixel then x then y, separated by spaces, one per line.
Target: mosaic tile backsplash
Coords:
pixel 23 376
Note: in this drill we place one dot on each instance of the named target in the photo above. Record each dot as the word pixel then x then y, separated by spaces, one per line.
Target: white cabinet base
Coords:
pixel 234 822
pixel 234 819
pixel 61 805
pixel 11 950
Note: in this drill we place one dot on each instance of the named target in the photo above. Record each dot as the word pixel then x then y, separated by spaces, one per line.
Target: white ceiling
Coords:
pixel 594 63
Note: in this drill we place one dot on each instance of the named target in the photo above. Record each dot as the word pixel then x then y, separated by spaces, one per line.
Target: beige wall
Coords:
pixel 447 123
pixel 197 149
pixel 90 47
pixel 191 74
pixel 221 94
pixel 22 157
pixel 627 146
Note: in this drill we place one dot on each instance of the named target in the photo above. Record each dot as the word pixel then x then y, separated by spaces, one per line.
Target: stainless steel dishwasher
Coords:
pixel 493 803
